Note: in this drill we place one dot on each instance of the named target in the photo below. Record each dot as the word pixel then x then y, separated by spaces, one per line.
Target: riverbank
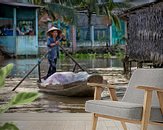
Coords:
pixel 54 103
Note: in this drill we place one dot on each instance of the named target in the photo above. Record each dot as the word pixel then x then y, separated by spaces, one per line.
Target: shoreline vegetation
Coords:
pixel 115 51
pixel 118 55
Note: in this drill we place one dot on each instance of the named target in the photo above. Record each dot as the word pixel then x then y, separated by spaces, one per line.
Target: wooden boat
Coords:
pixel 77 88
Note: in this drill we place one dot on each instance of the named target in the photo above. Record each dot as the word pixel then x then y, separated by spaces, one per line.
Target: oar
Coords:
pixel 39 62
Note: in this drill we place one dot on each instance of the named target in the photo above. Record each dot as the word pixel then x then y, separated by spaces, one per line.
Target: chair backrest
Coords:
pixel 143 77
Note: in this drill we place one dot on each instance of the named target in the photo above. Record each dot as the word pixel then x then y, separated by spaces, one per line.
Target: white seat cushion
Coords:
pixel 125 110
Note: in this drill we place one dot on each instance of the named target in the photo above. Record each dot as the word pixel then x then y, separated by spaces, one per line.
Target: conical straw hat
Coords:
pixel 53 29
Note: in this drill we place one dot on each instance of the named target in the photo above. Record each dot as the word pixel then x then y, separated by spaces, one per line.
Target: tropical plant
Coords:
pixel 18 99
pixel 37 2
pixel 91 7
pixel 120 55
pixel 65 7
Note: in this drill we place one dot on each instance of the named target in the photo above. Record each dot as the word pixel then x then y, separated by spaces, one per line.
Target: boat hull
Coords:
pixel 78 89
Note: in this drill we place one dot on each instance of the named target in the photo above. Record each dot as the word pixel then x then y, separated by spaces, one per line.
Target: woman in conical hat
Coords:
pixel 49 32
pixel 55 36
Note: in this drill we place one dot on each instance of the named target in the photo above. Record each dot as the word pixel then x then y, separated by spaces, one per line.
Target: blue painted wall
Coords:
pixel 8 43
pixel 26 45
pixel 12 42
pixel 117 35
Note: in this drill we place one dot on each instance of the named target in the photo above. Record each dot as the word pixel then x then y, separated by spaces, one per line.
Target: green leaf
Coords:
pixel 5 107
pixel 24 98
pixel 116 21
pixel 4 72
pixel 8 126
pixel 111 5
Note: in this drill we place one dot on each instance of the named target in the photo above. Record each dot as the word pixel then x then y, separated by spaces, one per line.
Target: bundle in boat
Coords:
pixel 67 84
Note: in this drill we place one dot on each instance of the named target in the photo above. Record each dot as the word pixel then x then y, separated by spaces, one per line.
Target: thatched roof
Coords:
pixel 139 6
pixel 145 32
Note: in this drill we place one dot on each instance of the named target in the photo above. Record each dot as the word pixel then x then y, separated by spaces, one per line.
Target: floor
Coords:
pixel 57 121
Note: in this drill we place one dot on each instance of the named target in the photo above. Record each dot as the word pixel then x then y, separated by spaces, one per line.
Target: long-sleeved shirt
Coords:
pixel 53 51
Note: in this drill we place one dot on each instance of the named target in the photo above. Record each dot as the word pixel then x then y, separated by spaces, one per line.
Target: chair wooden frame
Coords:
pixel 146 106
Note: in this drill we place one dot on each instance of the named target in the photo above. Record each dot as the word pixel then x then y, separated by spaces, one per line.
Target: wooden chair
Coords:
pixel 141 104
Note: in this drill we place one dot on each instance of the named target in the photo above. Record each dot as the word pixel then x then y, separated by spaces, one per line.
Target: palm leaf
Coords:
pixel 62 11
pixel 24 98
pixel 4 72
pixel 116 21
pixel 9 126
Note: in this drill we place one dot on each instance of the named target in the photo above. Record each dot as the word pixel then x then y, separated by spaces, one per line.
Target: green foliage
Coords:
pixel 81 56
pixel 4 72
pixel 108 10
pixel 108 55
pixel 4 107
pixel 19 99
pixel 91 55
pixel 24 98
pixel 37 2
pixel 61 56
pixel 120 55
pixel 116 21
pixel 62 10
pixel 8 126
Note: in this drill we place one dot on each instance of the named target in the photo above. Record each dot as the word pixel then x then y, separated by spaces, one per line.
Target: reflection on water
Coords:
pixel 57 103
pixel 49 102
pixel 23 66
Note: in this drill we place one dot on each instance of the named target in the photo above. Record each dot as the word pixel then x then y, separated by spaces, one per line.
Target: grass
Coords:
pixel 87 56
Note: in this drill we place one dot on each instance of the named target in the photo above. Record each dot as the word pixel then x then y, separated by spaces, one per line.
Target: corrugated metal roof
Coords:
pixel 20 4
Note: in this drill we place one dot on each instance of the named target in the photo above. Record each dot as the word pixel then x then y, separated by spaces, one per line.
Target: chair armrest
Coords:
pixel 100 87
pixel 149 88
pixel 96 81
pixel 97 85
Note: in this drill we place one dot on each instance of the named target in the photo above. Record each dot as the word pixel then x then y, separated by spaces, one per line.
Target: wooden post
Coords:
pixel 73 39
pixel 14 26
pixel 36 23
pixel 111 31
pixel 92 36
pixel 14 32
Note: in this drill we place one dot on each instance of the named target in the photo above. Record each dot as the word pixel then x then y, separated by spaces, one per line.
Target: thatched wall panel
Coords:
pixel 145 34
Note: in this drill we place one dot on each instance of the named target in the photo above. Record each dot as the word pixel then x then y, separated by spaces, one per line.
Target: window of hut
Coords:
pixel 101 34
pixel 6 21
pixel 25 22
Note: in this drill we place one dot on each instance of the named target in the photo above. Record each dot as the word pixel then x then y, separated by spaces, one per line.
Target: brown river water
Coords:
pixel 111 69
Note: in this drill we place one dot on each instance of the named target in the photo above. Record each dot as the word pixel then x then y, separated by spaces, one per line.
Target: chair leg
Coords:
pixel 124 125
pixel 94 121
pixel 146 109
